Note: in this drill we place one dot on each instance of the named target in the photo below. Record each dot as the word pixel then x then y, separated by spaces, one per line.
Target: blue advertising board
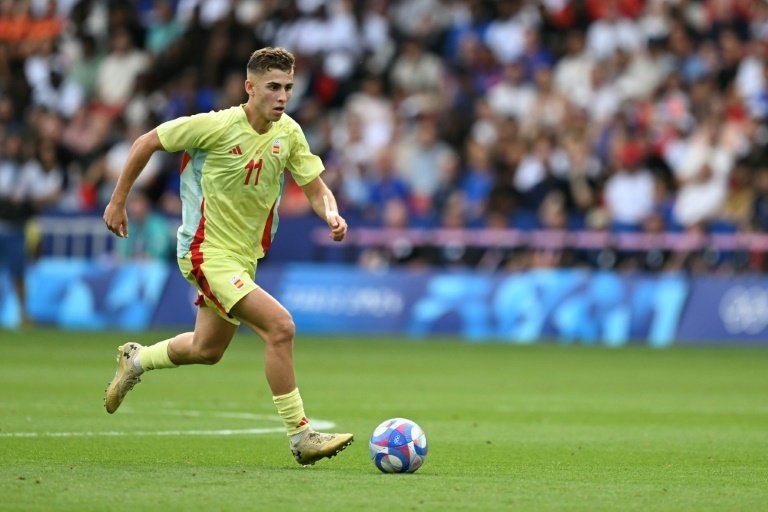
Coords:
pixel 567 305
pixel 721 309
pixel 10 306
pixel 82 294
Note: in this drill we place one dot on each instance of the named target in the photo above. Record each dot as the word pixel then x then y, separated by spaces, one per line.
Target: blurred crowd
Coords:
pixel 619 115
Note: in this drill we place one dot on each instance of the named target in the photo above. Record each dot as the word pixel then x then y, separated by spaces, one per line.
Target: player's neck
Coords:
pixel 258 123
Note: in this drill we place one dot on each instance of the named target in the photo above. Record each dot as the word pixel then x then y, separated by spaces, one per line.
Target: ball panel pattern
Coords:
pixel 398 445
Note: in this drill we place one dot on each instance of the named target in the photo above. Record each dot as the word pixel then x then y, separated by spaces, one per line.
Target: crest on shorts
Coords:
pixel 276 147
pixel 237 282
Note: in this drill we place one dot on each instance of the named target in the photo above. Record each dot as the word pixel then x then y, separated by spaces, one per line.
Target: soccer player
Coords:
pixel 231 183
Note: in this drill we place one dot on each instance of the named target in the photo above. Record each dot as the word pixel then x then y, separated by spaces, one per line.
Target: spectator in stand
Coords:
pixel 750 77
pixel 479 62
pixel 687 58
pixel 485 128
pixel 467 30
pixel 645 70
pixel 164 28
pixel 353 156
pixel 397 248
pixel 26 28
pixel 386 183
pixel 507 33
pixel 727 16
pixel 758 27
pixel 512 96
pixel 671 110
pixel 190 95
pixel 553 213
pixel 534 56
pixel 15 21
pixel 702 95
pixel 573 72
pixel 759 217
pixel 119 70
pixel 702 165
pixel 86 133
pixel 11 162
pixel 584 173
pixel 477 181
pixel 415 70
pixel 549 106
pixel 208 11
pixel 425 18
pixel 599 9
pixel 44 71
pixel 374 110
pixel 629 190
pixel 604 97
pixel 731 54
pixel 537 173
pixel 656 20
pixel 41 179
pixel 84 71
pixel 447 182
pixel 612 32
pixel 148 104
pixel 740 197
pixel 419 157
pixel 455 251
pixel 373 29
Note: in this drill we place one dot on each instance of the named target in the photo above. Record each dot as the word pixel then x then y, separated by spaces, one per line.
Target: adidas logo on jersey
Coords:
pixel 235 150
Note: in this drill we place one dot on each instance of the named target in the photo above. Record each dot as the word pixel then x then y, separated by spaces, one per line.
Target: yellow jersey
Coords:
pixel 232 179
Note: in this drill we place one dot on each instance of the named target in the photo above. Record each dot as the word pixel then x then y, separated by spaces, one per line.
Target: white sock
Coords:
pixel 137 365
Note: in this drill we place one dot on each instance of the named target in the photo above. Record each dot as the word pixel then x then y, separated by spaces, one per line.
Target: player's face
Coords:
pixel 269 92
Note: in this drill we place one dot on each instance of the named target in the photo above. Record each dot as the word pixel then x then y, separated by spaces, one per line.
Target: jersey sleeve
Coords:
pixel 304 165
pixel 197 131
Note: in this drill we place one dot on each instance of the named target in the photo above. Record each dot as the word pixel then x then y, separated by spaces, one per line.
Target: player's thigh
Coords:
pixel 212 331
pixel 264 315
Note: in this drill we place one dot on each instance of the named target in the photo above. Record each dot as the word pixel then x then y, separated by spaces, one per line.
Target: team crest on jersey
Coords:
pixel 237 282
pixel 276 147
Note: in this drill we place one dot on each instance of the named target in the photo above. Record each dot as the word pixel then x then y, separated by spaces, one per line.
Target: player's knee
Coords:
pixel 282 331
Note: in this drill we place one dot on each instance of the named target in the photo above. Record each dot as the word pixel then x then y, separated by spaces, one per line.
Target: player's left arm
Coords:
pixel 324 204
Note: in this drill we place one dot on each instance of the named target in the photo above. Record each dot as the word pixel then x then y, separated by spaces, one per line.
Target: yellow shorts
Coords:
pixel 221 280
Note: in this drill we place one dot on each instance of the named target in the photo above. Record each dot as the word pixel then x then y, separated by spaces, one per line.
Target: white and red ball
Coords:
pixel 398 445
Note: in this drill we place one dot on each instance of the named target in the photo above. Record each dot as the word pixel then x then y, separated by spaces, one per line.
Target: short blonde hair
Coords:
pixel 268 58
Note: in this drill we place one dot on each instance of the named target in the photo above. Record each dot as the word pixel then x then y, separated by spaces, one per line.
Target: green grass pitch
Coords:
pixel 543 427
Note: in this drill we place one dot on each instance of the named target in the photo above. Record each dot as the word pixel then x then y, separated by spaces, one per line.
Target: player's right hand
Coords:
pixel 116 219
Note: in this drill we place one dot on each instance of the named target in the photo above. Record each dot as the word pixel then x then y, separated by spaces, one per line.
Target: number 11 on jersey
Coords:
pixel 250 166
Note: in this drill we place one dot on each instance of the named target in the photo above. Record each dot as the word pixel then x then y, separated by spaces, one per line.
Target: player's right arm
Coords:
pixel 197 131
pixel 115 215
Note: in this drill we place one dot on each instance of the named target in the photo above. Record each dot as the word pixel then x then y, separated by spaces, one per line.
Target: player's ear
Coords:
pixel 249 86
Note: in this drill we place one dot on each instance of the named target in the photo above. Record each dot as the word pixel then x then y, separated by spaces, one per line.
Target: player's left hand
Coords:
pixel 338 226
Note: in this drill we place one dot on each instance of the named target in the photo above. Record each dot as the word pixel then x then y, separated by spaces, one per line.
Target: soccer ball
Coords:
pixel 398 445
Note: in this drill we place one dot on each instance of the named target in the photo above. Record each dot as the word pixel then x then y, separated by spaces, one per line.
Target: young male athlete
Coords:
pixel 231 183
